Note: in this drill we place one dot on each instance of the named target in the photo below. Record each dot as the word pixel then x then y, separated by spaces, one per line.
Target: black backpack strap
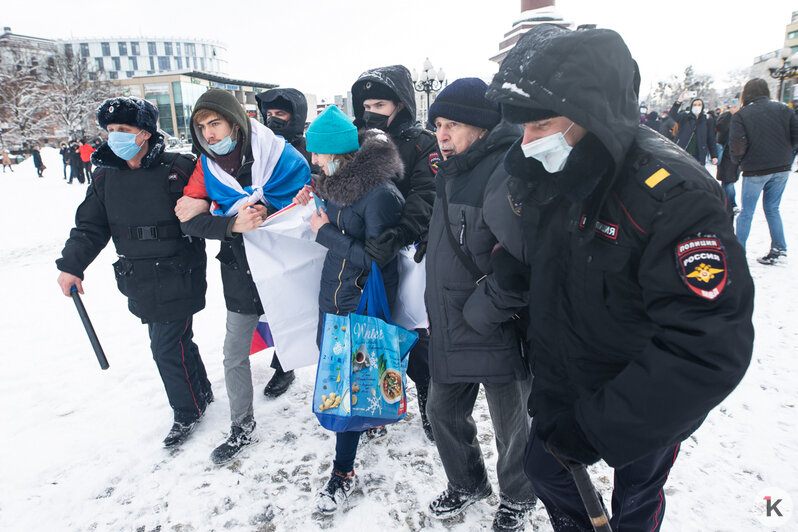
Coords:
pixel 469 264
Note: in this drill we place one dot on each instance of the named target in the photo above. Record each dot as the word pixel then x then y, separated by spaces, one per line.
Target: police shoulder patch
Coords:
pixel 701 261
pixel 657 180
pixel 434 160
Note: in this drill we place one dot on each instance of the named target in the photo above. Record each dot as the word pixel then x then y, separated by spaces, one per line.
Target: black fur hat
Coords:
pixel 131 111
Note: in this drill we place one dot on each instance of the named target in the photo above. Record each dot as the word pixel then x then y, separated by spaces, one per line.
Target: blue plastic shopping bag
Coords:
pixel 360 380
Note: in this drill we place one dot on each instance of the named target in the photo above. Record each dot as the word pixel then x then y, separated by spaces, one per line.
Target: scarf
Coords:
pixel 278 172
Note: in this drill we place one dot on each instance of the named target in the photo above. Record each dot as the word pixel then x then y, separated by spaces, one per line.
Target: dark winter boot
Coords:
pixel 335 495
pixel 241 436
pixel 451 502
pixel 422 407
pixel 178 433
pixel 775 256
pixel 509 518
pixel 376 434
pixel 279 383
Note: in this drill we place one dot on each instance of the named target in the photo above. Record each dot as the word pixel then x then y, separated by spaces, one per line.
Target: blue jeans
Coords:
pixel 771 187
pixel 728 189
pixel 720 152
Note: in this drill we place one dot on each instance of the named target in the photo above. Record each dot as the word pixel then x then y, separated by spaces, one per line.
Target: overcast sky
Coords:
pixel 320 46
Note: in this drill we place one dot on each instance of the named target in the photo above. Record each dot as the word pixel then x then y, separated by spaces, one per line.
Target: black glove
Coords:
pixel 383 248
pixel 567 441
pixel 510 273
pixel 421 250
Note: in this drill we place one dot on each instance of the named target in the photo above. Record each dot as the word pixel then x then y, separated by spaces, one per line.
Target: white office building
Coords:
pixel 128 57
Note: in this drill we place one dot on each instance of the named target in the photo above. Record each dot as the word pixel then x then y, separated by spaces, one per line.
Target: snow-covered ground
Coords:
pixel 80 448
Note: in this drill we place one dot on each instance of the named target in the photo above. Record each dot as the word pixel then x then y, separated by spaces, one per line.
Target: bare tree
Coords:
pixel 23 101
pixel 72 95
pixel 667 92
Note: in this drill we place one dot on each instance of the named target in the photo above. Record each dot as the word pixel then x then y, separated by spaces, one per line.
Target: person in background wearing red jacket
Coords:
pixel 85 151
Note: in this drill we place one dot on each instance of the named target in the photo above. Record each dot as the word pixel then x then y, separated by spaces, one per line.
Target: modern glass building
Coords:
pixel 124 58
pixel 176 93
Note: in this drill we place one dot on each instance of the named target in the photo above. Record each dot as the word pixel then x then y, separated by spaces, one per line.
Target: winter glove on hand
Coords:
pixel 510 273
pixel 383 248
pixel 421 250
pixel 568 443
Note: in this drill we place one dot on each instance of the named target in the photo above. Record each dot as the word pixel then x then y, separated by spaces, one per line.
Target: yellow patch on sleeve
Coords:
pixel 657 177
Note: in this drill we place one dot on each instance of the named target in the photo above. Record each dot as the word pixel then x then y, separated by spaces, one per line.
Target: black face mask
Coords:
pixel 375 121
pixel 276 124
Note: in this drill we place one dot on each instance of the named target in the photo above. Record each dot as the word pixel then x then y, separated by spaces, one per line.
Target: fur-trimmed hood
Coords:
pixel 377 161
pixel 104 157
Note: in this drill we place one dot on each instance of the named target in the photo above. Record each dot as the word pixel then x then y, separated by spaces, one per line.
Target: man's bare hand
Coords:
pixel 303 196
pixel 187 208
pixel 248 218
pixel 66 281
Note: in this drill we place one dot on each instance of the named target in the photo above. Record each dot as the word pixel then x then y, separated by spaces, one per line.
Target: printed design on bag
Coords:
pixel 702 266
pixel 390 382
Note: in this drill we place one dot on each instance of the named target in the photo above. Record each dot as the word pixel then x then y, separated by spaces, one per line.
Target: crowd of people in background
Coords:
pixel 761 147
pixel 579 268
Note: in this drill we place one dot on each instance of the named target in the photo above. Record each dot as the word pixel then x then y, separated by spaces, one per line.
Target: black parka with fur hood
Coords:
pixel 362 202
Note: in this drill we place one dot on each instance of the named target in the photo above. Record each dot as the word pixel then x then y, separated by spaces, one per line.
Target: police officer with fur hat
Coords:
pixel 131 200
pixel 640 297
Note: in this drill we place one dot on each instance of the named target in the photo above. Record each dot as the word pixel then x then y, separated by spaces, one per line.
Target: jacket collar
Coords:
pixel 376 162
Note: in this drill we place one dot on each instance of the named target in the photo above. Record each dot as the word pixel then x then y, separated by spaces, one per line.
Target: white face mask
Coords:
pixel 552 151
pixel 697 110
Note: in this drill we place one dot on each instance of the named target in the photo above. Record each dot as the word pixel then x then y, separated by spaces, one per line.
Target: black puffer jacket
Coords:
pixel 473 335
pixel 728 171
pixel 763 136
pixel 640 295
pixel 362 202
pixel 417 147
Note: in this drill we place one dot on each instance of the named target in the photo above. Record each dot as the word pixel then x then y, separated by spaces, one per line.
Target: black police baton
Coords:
pixel 95 342
pixel 595 510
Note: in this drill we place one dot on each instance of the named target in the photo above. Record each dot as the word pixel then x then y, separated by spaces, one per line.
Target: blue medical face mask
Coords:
pixel 224 146
pixel 333 166
pixel 124 144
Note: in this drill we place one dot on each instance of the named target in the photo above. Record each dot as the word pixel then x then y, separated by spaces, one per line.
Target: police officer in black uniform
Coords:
pixel 640 295
pixel 131 200
pixel 384 98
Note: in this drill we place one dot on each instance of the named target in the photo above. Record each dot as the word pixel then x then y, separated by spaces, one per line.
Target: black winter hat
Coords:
pixel 378 91
pixel 278 103
pixel 516 114
pixel 463 100
pixel 128 110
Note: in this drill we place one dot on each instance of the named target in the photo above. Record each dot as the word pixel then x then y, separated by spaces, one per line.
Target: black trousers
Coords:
pixel 87 170
pixel 182 371
pixel 638 499
pixel 418 363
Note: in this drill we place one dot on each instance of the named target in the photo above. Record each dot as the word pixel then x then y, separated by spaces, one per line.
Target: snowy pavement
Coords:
pixel 80 448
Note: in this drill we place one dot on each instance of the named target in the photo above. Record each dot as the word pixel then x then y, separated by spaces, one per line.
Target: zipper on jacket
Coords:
pixel 462 228
pixel 343 264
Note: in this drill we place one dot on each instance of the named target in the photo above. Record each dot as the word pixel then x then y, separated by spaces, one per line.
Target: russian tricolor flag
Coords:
pixel 261 338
